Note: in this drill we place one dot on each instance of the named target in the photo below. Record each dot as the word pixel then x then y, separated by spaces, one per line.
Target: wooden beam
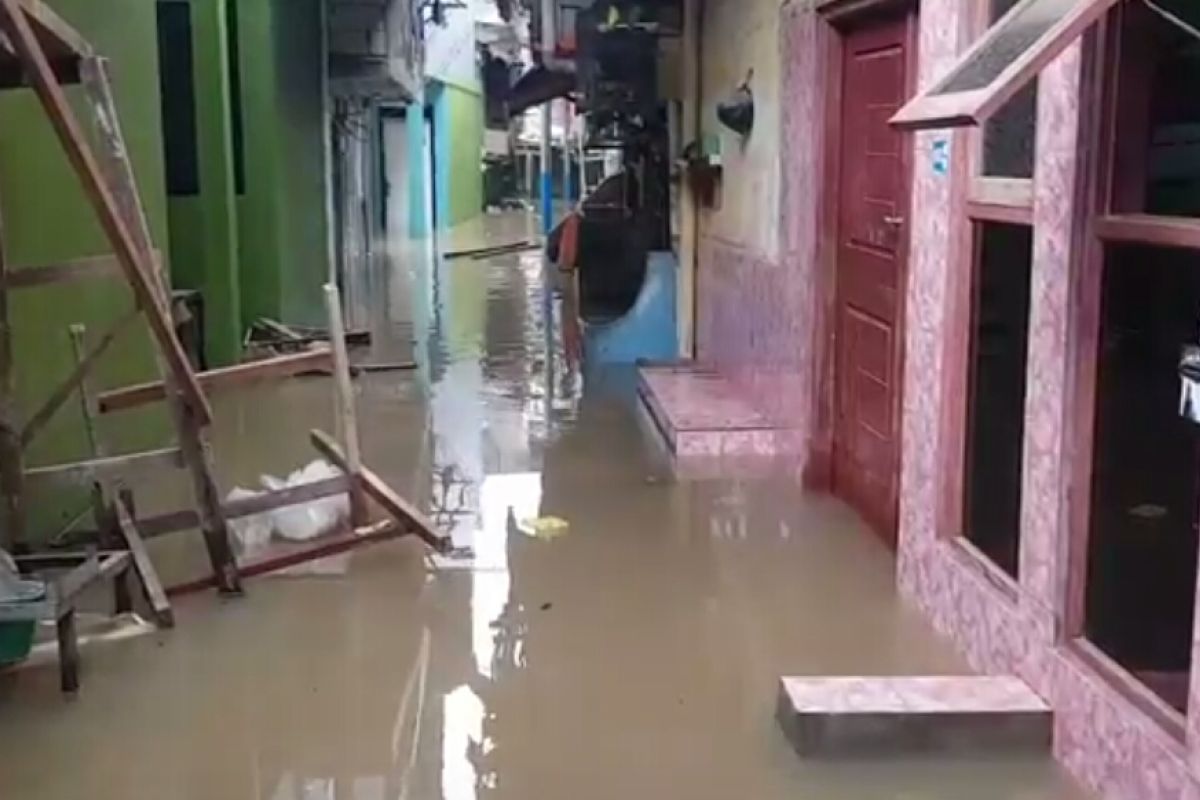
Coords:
pixel 12 460
pixel 347 408
pixel 152 587
pixel 35 562
pixel 325 547
pixel 136 264
pixel 85 473
pixel 12 74
pixel 79 269
pixel 189 417
pixel 1148 229
pixel 409 517
pixel 153 527
pixel 220 379
pixel 54 33
pixel 63 393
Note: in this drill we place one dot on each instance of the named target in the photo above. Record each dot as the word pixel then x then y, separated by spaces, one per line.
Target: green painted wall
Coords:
pixel 260 207
pixel 304 230
pixel 204 227
pixel 458 131
pixel 278 234
pixel 46 219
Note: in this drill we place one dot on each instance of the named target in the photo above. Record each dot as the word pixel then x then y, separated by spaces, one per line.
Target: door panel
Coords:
pixel 871 249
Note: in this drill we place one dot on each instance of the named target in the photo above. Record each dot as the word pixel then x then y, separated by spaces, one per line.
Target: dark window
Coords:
pixel 1141 579
pixel 1157 167
pixel 178 88
pixel 1008 136
pixel 235 98
pixel 996 408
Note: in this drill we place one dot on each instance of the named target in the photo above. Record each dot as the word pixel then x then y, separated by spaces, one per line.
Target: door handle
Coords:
pixel 894 222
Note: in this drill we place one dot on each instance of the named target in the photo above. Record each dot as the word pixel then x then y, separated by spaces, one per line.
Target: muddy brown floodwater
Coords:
pixel 633 654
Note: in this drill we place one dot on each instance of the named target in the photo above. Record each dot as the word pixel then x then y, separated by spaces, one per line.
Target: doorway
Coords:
pixel 868 209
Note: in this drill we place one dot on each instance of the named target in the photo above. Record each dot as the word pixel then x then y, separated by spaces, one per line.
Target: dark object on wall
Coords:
pixel 704 177
pixel 498 77
pixel 536 87
pixel 737 111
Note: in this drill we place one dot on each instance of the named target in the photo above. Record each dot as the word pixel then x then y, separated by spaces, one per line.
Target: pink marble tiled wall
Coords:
pixel 1100 736
pixel 759 317
pixel 756 315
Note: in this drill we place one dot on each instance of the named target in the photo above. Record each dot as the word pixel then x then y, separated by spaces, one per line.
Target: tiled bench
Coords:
pixel 702 416
pixel 851 716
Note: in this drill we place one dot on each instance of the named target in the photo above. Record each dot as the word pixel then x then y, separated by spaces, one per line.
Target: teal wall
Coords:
pixel 47 219
pixel 418 157
pixel 458 131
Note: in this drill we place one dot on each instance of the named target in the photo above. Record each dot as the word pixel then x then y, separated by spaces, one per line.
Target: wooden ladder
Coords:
pixel 42 52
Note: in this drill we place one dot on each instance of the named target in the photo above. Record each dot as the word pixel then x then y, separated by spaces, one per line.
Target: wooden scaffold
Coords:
pixel 39 51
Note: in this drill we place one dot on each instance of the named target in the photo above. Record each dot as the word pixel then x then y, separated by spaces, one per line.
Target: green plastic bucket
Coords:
pixel 16 639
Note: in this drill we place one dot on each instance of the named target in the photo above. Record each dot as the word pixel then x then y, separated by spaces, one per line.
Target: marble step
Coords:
pixel 851 716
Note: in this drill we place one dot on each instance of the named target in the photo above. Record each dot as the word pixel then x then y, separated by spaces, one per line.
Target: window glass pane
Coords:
pixel 1008 136
pixel 1157 168
pixel 996 410
pixel 1017 36
pixel 1141 579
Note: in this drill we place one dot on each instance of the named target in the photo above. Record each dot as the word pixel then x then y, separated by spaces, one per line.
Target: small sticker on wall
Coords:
pixel 940 156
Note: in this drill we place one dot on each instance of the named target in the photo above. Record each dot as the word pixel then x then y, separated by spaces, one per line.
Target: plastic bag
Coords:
pixel 298 523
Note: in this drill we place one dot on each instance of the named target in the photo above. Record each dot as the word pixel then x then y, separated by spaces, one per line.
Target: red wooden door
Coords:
pixel 871 249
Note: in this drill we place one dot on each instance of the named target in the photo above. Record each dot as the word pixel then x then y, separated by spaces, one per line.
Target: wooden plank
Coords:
pixel 55 34
pixel 152 587
pixel 278 328
pixel 53 560
pixel 1148 229
pixel 991 212
pixel 136 264
pixel 68 652
pixel 220 379
pixel 63 392
pixel 347 411
pixel 12 460
pixel 409 517
pixel 162 524
pixel 190 419
pixel 291 496
pixel 325 547
pixel 99 470
pixel 1013 192
pixel 79 269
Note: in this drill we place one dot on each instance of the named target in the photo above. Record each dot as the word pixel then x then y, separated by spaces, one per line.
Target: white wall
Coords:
pixel 450 50
pixel 740 35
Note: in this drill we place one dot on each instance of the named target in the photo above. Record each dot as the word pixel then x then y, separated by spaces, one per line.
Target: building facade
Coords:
pixel 958 286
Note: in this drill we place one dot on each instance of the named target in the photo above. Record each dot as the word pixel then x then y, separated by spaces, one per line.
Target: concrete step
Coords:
pixel 852 716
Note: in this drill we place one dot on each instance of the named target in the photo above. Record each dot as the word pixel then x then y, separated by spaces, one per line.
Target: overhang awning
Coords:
pixel 538 86
pixel 1012 52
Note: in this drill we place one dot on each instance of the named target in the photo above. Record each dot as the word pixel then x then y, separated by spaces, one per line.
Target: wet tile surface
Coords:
pixel 636 653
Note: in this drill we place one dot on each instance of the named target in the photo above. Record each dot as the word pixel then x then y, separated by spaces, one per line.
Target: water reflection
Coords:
pixel 500 387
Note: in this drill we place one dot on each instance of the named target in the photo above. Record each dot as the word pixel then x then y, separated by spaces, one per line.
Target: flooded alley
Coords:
pixel 604 629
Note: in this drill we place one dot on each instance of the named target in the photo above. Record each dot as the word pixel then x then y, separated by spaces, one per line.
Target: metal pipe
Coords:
pixel 547 182
pixel 568 119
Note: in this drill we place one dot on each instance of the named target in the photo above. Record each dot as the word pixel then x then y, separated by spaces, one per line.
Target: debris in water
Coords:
pixel 545 528
pixel 298 523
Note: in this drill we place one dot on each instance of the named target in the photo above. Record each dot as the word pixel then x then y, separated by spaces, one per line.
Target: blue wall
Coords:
pixel 418 157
